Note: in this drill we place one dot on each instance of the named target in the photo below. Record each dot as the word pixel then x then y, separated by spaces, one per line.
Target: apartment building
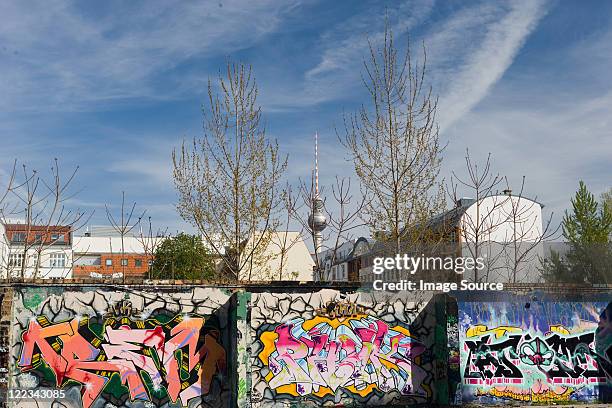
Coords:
pixel 35 251
pixel 343 263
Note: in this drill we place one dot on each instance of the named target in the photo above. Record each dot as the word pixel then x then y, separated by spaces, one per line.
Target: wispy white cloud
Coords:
pixel 553 148
pixel 337 73
pixel 56 56
pixel 153 169
pixel 475 69
pixel 468 51
pixel 347 42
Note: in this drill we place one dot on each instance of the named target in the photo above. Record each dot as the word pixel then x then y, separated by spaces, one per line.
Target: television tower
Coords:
pixel 317 221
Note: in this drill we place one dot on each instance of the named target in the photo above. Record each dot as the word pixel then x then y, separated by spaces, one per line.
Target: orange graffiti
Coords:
pixel 126 352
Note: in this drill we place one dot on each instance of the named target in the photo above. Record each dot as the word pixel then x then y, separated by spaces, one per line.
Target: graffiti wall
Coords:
pixel 105 346
pixel 340 348
pixel 91 347
pixel 535 352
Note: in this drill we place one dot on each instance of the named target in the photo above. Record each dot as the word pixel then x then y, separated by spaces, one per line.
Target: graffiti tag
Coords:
pixel 533 367
pixel 122 308
pixel 335 310
pixel 128 349
pixel 361 355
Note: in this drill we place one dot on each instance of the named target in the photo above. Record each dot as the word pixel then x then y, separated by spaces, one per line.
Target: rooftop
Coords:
pixel 109 245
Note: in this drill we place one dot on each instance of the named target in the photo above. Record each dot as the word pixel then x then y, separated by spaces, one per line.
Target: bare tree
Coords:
pixel 284 241
pixel 503 228
pixel 477 228
pixel 395 145
pixel 123 225
pixel 44 221
pixel 347 218
pixel 340 223
pixel 150 241
pixel 523 248
pixel 228 180
pixel 8 208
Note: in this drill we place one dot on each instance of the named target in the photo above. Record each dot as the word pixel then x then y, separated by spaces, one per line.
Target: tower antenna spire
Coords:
pixel 317 220
pixel 317 164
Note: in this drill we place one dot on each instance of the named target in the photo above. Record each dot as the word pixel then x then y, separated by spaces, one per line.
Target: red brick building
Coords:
pixel 107 257
pixel 20 234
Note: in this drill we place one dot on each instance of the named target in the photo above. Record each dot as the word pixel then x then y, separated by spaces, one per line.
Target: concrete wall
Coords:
pixel 302 346
pixel 341 348
pixel 534 350
pixel 125 347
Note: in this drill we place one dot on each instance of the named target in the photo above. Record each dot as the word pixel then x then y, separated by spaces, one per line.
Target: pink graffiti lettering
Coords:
pixel 357 353
pixel 127 351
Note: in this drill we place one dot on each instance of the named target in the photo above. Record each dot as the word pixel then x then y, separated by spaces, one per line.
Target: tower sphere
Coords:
pixel 317 220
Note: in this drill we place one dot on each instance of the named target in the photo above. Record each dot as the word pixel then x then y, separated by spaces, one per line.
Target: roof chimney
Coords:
pixel 464 202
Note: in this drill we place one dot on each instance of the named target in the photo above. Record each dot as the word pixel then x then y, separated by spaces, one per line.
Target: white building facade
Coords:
pixel 334 263
pixel 506 231
pixel 286 248
pixel 35 252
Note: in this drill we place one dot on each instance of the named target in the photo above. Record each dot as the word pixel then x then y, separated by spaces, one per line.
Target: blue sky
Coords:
pixel 114 86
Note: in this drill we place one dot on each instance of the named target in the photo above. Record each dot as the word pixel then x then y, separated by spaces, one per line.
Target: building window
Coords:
pixel 19 236
pixel 87 260
pixel 57 238
pixel 150 263
pixel 109 262
pixel 57 260
pixel 124 262
pixel 138 263
pixel 16 260
pixel 38 238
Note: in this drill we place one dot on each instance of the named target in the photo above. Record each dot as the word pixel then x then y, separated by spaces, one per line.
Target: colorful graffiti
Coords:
pixel 172 347
pixel 170 354
pixel 360 354
pixel 527 362
pixel 123 355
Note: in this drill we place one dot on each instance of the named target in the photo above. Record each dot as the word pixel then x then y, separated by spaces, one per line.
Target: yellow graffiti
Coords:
pixel 543 396
pixel 268 339
pixel 559 329
pixel 320 387
pixel 499 331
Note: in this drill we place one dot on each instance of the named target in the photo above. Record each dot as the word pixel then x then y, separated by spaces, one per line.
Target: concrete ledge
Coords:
pixel 267 285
